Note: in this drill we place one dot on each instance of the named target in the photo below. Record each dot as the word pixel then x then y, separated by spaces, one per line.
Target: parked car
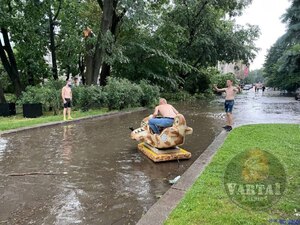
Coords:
pixel 247 87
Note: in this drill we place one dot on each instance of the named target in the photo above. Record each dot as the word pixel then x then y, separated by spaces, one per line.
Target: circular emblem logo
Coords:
pixel 255 179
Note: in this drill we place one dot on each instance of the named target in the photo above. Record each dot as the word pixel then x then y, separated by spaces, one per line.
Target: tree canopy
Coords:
pixel 165 42
pixel 282 65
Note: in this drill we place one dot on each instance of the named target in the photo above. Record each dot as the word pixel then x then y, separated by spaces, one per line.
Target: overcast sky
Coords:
pixel 266 14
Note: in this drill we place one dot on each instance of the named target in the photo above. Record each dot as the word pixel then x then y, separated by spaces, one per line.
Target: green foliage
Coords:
pixel 150 93
pixel 282 65
pixel 49 95
pixel 89 97
pixel 52 95
pixel 200 82
pixel 118 94
pixel 254 76
pixel 179 95
pixel 5 81
pixel 220 79
pixel 167 44
pixel 121 93
pixel 32 95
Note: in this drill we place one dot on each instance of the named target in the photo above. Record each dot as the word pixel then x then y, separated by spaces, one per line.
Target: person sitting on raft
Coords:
pixel 167 113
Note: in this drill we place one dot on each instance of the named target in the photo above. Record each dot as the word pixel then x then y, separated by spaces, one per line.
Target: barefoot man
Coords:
pixel 229 101
pixel 66 94
pixel 167 113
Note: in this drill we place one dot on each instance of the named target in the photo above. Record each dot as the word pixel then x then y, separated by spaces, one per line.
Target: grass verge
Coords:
pixel 18 121
pixel 207 202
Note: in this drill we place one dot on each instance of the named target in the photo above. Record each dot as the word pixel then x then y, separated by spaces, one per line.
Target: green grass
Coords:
pixel 207 202
pixel 7 123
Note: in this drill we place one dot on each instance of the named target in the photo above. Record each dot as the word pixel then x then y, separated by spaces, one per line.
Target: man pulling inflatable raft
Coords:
pixel 161 136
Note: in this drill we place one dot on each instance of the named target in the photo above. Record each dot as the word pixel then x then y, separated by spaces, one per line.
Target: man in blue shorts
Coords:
pixel 229 101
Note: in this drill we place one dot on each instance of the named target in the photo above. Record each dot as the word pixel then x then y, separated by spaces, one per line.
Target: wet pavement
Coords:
pixel 92 173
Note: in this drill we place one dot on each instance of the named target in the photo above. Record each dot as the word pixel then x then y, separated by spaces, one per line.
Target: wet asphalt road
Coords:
pixel 95 173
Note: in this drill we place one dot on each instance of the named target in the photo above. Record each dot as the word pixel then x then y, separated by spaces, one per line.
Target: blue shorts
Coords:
pixel 229 106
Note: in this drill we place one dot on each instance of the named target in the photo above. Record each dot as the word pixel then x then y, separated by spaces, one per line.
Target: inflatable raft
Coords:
pixel 164 146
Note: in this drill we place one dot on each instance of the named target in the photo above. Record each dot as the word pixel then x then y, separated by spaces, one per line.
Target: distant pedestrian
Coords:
pixel 76 82
pixel 66 94
pixel 263 88
pixel 229 101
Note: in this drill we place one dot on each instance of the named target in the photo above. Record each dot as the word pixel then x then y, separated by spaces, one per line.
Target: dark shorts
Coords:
pixel 229 106
pixel 68 103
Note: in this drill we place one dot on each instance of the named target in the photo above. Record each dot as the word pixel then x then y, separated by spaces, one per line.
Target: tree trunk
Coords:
pixel 81 66
pixel 9 63
pixel 68 72
pixel 2 97
pixel 52 45
pixel 106 24
pixel 89 63
pixel 105 72
pixel 105 69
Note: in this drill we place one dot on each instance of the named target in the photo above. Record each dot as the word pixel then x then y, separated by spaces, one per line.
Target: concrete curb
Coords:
pixel 160 211
pixel 50 124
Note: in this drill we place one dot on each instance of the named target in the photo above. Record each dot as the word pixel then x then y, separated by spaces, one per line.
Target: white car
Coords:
pixel 247 87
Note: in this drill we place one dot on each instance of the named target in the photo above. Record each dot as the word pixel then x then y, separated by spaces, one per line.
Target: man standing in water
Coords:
pixel 167 111
pixel 229 101
pixel 66 95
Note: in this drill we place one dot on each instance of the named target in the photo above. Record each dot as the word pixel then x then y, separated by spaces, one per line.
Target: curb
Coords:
pixel 50 124
pixel 160 211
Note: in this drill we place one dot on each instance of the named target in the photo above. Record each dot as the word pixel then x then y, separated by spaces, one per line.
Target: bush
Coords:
pixel 197 83
pixel 52 95
pixel 87 97
pixel 220 80
pixel 49 95
pixel 32 94
pixel 121 93
pixel 180 95
pixel 150 93
pixel 117 94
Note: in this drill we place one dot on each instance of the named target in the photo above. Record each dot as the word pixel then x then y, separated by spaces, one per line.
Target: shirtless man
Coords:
pixel 167 111
pixel 229 102
pixel 66 94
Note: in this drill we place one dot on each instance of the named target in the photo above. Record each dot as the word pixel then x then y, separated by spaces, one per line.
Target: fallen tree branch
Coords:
pixel 33 173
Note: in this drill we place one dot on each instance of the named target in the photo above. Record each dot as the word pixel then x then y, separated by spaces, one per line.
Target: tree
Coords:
pixel 2 97
pixel 9 62
pixel 24 41
pixel 255 76
pixel 282 65
pixel 110 19
pixel 113 14
pixel 186 38
pixel 52 15
pixel 69 39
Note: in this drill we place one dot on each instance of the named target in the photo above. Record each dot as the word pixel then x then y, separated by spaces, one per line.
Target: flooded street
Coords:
pixel 91 172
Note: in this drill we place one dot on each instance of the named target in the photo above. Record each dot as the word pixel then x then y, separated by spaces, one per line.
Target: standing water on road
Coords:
pixel 93 172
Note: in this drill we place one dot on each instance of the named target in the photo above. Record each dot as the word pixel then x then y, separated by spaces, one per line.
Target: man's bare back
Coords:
pixel 165 110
